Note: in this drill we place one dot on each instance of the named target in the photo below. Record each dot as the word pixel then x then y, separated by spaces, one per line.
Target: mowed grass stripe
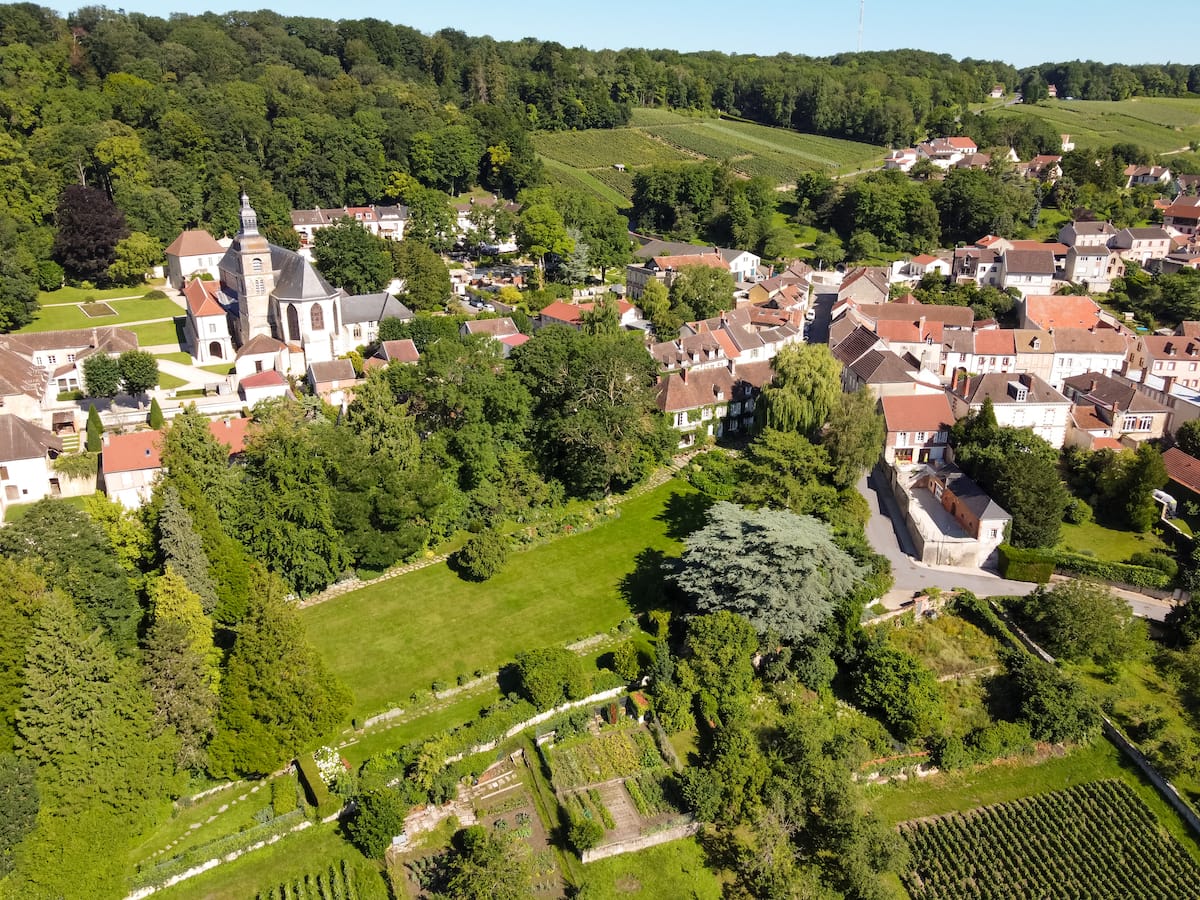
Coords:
pixel 401 635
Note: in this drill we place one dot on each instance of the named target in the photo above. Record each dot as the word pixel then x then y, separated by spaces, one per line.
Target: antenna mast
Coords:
pixel 861 10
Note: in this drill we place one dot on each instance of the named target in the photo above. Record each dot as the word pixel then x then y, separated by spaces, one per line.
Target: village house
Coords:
pixel 502 330
pixel 193 253
pixel 665 269
pixel 920 266
pixel 918 428
pixel 743 265
pixel 1141 245
pixel 1183 473
pixel 1139 175
pixel 1182 217
pixel 902 159
pixel 949 517
pixel 1171 357
pixel 265 385
pixel 944 152
pixel 262 353
pixel 1019 400
pixel 865 284
pixel 130 463
pixel 562 313
pixel 382 221
pixel 1094 267
pixel 1034 352
pixel 333 381
pixel 1130 416
pixel 977 264
pixel 361 315
pixel 995 351
pixel 1049 312
pixel 918 338
pixel 1029 271
pixel 61 354
pixel 712 403
pixel 404 351
pixel 1086 234
pixel 1080 350
pixel 206 327
pixel 23 389
pixel 27 452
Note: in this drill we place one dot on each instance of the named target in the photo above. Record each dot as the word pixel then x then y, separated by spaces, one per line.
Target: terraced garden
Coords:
pixel 656 136
pixel 1095 840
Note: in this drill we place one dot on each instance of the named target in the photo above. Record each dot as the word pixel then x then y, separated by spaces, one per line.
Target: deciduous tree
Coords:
pixel 351 257
pixel 89 228
pixel 101 378
pixel 805 390
pixel 139 371
pixel 426 278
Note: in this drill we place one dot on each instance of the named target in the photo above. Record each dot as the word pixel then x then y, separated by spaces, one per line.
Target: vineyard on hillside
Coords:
pixel 1095 841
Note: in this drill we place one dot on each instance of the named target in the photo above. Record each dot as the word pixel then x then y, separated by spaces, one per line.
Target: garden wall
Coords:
pixel 642 842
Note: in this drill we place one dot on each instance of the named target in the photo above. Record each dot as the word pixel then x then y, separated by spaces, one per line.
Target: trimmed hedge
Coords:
pixel 315 787
pixel 1138 576
pixel 1017 564
pixel 1038 565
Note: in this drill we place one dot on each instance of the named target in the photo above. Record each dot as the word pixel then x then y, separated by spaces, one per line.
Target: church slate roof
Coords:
pixel 298 279
pixel 373 308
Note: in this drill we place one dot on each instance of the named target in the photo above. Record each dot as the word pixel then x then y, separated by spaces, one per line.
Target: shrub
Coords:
pixel 550 675
pixel 585 834
pixel 1159 561
pixel 482 556
pixel 1078 512
pixel 625 661
pixel 380 817
pixel 1138 576
pixel 156 295
pixel 1017 564
pixel 660 622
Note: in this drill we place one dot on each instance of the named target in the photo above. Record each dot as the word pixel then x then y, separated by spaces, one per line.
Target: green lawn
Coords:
pixel 181 357
pixel 222 369
pixel 390 639
pixel 157 333
pixel 955 791
pixel 78 295
pixel 17 511
pixel 1107 543
pixel 1158 124
pixel 166 381
pixel 308 852
pixel 56 318
pixel 676 869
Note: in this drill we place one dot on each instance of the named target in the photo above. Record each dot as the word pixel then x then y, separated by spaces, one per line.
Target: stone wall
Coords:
pixel 642 842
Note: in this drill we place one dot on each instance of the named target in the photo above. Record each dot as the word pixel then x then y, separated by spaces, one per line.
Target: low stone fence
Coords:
pixel 642 842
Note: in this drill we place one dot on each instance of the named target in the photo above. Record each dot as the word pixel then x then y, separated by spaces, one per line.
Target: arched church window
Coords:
pixel 318 317
pixel 293 324
pixel 256 265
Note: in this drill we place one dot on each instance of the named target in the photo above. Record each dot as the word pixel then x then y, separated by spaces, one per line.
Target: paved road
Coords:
pixel 887 534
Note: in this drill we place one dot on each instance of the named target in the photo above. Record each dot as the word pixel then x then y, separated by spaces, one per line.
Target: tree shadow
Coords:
pixel 649 585
pixel 685 513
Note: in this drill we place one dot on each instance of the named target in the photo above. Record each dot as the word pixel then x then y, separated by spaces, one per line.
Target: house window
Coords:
pixel 901 438
pixel 1145 423
pixel 212 327
pixel 992 361
pixel 1129 423
pixel 1170 367
pixel 920 437
pixel 1048 418
pixel 1004 362
pixel 680 419
pixel 71 359
pixel 995 532
pixel 4 473
pixel 51 359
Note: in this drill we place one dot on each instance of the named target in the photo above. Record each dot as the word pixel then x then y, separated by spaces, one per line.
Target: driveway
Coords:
pixel 888 535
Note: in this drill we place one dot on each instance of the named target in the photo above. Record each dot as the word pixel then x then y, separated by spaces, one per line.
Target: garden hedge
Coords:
pixel 1037 565
pixel 1018 564
pixel 315 787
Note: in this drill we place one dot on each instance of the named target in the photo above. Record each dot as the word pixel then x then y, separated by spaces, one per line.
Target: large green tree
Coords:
pixel 541 231
pixel 805 390
pixel 779 570
pixel 426 278
pixel 19 803
pixel 89 228
pixel 277 697
pixel 700 291
pixel 101 378
pixel 139 371
pixel 353 258
pixel 181 548
pixel 179 679
pixel 853 436
pixel 489 865
pixel 1083 620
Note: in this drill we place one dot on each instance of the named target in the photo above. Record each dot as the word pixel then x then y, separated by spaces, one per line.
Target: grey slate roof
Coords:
pixel 1029 262
pixel 970 494
pixel 373 308
pixel 298 279
pixel 24 440
pixel 1112 393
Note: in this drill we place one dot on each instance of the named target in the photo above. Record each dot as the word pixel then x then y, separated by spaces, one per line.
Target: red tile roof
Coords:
pixel 514 340
pixel 1061 311
pixel 712 260
pixel 266 378
pixel 921 412
pixel 909 332
pixel 130 452
pixel 200 299
pixel 404 351
pixel 194 243
pixel 562 312
pixel 232 432
pixel 995 342
pixel 1183 469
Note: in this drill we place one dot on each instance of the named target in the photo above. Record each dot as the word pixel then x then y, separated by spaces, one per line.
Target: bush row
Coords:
pixel 1037 565
pixel 315 787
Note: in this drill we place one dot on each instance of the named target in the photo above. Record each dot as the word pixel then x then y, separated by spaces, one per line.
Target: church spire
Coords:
pixel 249 216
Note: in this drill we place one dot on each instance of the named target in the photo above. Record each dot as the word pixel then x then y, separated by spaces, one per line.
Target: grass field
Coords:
pixel 676 869
pixel 79 295
pixel 398 636
pixel 157 333
pixel 1003 782
pixel 181 357
pixel 167 381
pixel 656 136
pixel 17 511
pixel 57 318
pixel 312 850
pixel 1107 543
pixel 1156 123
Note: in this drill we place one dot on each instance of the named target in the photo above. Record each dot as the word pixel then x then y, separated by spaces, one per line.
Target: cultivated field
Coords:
pixel 656 136
pixel 1157 123
pixel 1095 840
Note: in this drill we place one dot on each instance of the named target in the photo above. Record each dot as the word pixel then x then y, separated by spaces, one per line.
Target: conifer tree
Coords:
pixel 156 414
pixel 182 549
pixel 95 431
pixel 179 680
pixel 277 697
pixel 86 723
pixel 171 600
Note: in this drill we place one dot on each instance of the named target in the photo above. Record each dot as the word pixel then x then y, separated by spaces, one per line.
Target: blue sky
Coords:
pixel 1021 32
